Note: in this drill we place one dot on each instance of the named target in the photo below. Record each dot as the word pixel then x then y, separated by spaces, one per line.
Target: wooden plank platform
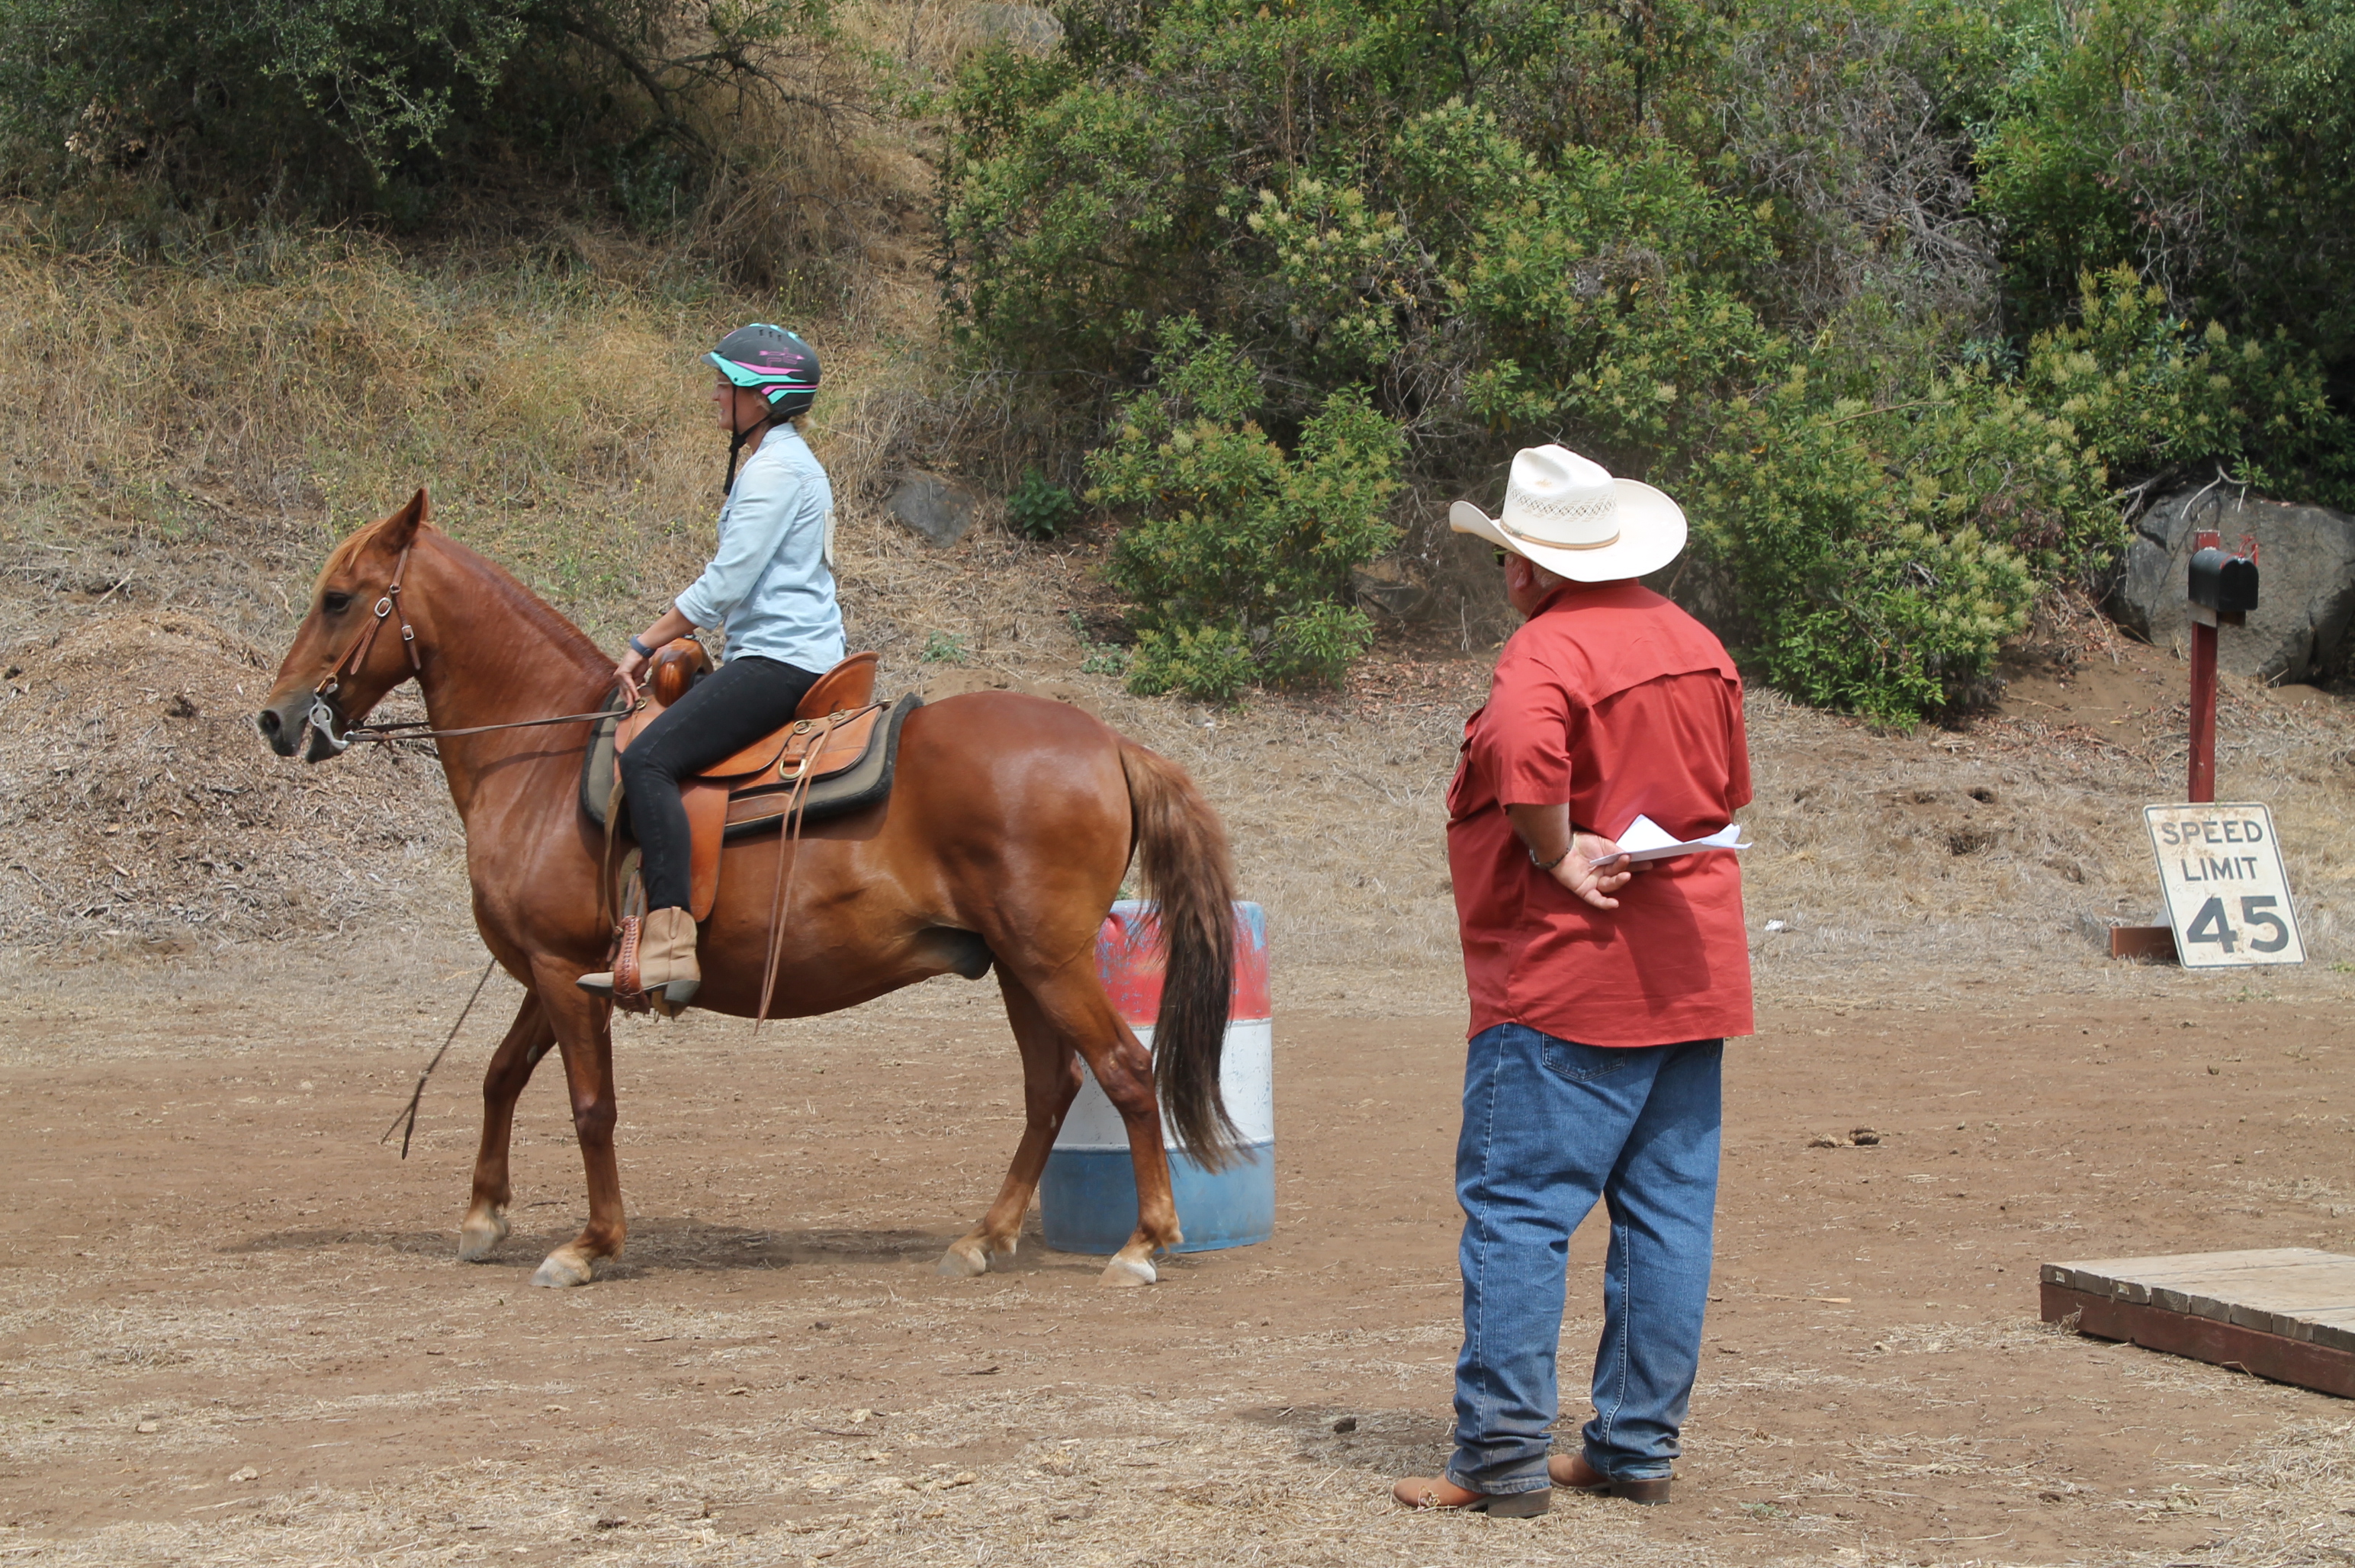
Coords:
pixel 2284 1313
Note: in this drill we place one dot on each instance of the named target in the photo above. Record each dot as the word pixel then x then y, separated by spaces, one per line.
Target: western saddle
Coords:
pixel 835 755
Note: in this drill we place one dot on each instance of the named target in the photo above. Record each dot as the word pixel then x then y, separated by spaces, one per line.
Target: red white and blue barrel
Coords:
pixel 1087 1199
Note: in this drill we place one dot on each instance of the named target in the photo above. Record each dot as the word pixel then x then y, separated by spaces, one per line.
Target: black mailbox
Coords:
pixel 2226 584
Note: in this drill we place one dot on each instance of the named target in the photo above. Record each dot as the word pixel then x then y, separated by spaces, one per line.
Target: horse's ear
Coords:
pixel 398 531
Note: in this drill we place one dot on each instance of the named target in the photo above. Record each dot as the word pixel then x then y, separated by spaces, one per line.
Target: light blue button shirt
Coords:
pixel 771 584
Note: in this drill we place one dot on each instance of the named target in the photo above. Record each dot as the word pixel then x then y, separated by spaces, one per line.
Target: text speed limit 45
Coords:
pixel 2227 894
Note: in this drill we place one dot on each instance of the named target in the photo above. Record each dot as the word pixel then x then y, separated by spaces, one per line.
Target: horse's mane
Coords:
pixel 524 606
pixel 519 600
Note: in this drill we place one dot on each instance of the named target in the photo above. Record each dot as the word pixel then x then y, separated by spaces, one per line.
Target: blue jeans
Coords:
pixel 1551 1125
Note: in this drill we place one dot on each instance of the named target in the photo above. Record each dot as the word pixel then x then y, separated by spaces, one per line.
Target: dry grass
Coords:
pixel 135 814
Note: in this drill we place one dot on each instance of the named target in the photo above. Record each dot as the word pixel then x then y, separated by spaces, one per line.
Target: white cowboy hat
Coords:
pixel 1567 513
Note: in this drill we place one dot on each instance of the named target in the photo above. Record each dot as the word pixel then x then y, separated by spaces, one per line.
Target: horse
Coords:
pixel 1010 825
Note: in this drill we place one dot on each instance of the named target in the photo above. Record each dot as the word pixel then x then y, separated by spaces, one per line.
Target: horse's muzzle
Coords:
pixel 282 723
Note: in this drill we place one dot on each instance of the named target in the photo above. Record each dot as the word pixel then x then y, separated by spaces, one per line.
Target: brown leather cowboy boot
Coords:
pixel 1572 1473
pixel 666 967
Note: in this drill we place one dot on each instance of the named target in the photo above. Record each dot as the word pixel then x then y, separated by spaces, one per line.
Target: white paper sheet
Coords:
pixel 1645 840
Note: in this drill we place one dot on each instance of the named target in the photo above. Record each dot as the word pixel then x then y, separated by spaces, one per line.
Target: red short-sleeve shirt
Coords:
pixel 1615 701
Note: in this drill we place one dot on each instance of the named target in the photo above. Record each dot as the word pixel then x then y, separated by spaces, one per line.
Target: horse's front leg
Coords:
pixel 529 1039
pixel 584 1033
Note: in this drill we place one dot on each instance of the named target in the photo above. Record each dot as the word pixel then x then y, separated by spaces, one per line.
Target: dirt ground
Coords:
pixel 233 1331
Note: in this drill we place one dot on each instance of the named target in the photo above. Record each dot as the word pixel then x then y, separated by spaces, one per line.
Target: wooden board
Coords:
pixel 2285 1313
pixel 2156 942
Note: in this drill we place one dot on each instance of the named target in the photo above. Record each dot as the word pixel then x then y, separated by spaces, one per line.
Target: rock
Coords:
pixel 1826 1140
pixel 2305 596
pixel 1384 587
pixel 939 509
pixel 1864 1137
pixel 1025 29
pixel 1346 1424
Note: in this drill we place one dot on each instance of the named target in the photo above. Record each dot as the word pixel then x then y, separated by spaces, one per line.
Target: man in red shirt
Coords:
pixel 1602 990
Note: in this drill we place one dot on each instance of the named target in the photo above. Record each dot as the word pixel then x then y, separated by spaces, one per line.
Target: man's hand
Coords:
pixel 1594 870
pixel 1590 865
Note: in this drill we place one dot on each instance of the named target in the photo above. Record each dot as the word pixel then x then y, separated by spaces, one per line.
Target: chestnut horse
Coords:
pixel 1010 825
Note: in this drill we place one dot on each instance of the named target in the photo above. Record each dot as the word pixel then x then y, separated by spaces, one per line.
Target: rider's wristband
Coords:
pixel 640 648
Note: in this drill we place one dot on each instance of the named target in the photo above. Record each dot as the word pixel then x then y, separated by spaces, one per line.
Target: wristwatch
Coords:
pixel 1558 860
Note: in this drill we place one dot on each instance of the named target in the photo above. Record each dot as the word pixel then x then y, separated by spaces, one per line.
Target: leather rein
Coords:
pixel 323 716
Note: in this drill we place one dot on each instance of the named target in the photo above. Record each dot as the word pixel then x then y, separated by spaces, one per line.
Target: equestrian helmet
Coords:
pixel 772 361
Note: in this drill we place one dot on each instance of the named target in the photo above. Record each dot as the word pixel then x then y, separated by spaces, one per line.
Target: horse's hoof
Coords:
pixel 1127 1274
pixel 564 1266
pixel 480 1235
pixel 961 1263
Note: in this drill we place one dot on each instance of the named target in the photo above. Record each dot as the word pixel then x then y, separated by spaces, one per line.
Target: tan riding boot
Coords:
pixel 666 969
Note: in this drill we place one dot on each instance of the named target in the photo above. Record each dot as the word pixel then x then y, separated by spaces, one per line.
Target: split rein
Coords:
pixel 324 715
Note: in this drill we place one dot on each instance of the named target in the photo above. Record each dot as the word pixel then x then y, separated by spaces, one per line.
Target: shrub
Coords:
pixel 1730 251
pixel 280 106
pixel 2159 400
pixel 1039 508
pixel 1237 552
pixel 2208 144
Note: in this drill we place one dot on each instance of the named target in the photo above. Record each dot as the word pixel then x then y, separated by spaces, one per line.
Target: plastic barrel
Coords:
pixel 1087 1199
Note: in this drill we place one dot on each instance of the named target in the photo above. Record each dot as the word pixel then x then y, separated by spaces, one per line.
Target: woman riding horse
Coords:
pixel 772 583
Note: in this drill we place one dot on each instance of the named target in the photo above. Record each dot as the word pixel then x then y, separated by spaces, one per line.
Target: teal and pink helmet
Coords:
pixel 773 362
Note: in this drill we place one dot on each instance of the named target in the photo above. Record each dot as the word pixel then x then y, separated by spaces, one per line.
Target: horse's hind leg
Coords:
pixel 1051 1077
pixel 1072 1000
pixel 529 1039
pixel 1125 1067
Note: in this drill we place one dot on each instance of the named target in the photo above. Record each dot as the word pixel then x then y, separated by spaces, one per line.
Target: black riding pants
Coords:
pixel 730 709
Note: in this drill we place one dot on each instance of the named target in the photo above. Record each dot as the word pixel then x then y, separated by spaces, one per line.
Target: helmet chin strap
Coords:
pixel 736 444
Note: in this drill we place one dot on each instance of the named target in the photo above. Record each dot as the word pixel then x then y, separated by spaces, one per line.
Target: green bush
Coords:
pixel 2208 144
pixel 2160 402
pixel 1039 508
pixel 1734 252
pixel 292 107
pixel 1237 552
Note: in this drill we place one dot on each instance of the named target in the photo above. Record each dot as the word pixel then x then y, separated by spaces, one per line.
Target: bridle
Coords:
pixel 324 715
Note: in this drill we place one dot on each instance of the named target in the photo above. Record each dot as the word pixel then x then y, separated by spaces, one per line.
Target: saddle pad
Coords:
pixel 864 782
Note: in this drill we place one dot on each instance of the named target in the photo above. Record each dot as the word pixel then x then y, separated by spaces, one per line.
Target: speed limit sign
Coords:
pixel 2227 895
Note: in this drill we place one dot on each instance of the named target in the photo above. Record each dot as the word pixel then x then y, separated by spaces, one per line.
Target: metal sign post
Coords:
pixel 2224 590
pixel 2203 786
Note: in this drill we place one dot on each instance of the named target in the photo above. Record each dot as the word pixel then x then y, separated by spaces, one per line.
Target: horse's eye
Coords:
pixel 334 603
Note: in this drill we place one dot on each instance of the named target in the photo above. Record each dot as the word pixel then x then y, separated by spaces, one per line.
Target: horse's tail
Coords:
pixel 1182 849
